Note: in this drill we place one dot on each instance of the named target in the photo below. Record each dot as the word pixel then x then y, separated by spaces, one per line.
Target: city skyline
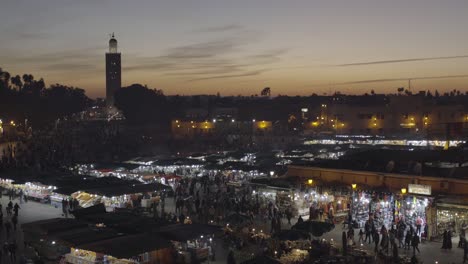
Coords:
pixel 236 48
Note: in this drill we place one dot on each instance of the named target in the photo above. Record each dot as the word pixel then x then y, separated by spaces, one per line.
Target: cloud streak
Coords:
pixel 245 74
pixel 216 59
pixel 404 79
pixel 399 61
pixel 230 27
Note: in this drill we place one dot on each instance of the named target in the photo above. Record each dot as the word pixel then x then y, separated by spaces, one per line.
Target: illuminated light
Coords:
pixel 354 186
pixel 193 126
pixel 177 121
pixel 53 242
pixel 191 122
pixel 214 120
pixel 425 123
pixel 310 181
pixel 232 120
pixel 331 120
pixel 375 124
pixel 253 120
pixel 342 124
pixel 315 124
pixel 403 190
pixel 178 125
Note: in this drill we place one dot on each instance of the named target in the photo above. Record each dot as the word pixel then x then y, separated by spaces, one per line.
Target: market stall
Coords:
pixel 36 190
pixel 191 241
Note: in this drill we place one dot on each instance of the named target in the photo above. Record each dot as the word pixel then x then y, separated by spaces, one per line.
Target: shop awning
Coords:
pixel 128 246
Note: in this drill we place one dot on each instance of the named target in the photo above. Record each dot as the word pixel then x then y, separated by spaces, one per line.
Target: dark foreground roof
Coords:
pixel 128 246
pixel 54 225
pixel 181 232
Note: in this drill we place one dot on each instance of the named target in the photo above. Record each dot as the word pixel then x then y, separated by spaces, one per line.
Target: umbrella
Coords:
pixel 262 260
pixel 315 227
pixel 292 235
pixel 236 218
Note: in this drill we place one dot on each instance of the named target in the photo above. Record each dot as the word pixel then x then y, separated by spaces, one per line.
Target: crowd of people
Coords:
pixel 9 227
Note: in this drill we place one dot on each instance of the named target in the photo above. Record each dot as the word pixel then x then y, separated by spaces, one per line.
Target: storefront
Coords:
pixel 451 214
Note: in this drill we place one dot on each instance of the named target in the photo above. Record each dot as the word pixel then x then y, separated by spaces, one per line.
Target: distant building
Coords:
pixel 395 116
pixel 113 72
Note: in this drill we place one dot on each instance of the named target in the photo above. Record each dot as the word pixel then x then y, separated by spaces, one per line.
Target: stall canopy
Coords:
pixel 80 236
pixel 70 185
pixel 54 225
pixel 92 210
pixel 122 221
pixel 110 191
pixel 128 246
pixel 181 232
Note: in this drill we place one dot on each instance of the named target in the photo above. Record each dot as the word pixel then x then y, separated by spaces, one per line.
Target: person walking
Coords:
pixel 12 248
pixel 288 215
pixel 376 241
pixel 465 251
pixel 8 229
pixel 361 236
pixel 14 221
pixel 444 240
pixel 65 207
pixel 415 243
pixel 16 209
pixel 367 230
pixel 9 208
pixel 401 236
pixel 449 239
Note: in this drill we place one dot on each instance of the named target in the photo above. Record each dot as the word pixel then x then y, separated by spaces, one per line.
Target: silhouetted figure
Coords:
pixel 415 244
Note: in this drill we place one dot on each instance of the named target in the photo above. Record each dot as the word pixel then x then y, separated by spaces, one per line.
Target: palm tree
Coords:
pixel 16 81
pixel 5 78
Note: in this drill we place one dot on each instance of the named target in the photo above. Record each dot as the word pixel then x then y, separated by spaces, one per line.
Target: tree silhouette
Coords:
pixel 140 104
pixel 16 81
pixel 266 92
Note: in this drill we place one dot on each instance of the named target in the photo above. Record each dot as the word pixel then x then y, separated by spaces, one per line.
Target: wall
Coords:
pixel 394 182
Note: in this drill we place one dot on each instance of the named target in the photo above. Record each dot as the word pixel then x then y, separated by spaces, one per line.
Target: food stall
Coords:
pixel 36 191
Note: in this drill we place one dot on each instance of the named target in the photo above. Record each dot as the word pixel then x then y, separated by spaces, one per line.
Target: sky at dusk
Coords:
pixel 239 47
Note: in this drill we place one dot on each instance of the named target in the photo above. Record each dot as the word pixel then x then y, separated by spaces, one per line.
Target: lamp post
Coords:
pixel 354 187
pixel 403 192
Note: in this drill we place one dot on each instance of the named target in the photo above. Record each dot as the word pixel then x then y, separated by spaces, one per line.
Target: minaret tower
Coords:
pixel 113 72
